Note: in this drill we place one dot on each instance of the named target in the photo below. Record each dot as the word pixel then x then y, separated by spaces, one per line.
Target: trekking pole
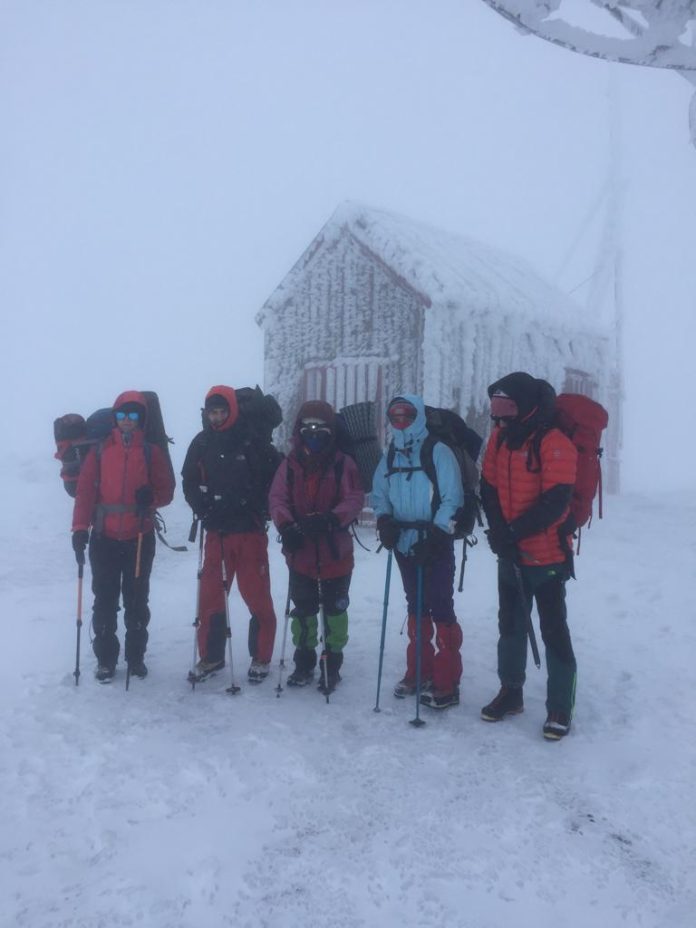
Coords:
pixel 322 627
pixel 281 667
pixel 468 542
pixel 528 613
pixel 138 552
pixel 384 628
pixel 139 549
pixel 80 574
pixel 197 620
pixel 418 721
pixel 233 689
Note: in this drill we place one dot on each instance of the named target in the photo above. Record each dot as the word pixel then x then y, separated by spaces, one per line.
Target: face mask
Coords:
pixel 315 440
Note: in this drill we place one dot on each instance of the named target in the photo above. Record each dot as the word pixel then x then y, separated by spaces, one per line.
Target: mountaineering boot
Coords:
pixel 205 669
pixel 334 660
pixel 138 668
pixel 509 701
pixel 440 699
pixel 407 687
pixel 305 662
pixel 332 681
pixel 556 726
pixel 105 673
pixel 300 677
pixel 258 672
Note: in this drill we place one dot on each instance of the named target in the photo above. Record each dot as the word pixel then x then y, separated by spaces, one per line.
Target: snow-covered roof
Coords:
pixel 447 269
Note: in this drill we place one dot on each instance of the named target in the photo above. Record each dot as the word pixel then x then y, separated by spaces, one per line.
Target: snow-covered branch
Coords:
pixel 651 33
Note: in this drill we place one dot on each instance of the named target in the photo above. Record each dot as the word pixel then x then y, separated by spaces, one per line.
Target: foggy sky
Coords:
pixel 164 164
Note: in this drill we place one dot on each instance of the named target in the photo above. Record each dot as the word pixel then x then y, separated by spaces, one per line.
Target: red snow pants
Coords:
pixel 246 558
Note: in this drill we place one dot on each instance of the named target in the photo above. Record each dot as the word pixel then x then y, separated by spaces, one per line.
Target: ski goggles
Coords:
pixel 312 426
pixel 133 416
pixel 502 407
pixel 401 415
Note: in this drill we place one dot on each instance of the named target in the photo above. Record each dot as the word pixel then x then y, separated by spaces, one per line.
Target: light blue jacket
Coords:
pixel 408 497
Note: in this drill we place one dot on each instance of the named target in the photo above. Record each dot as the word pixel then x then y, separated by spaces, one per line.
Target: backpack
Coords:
pixel 582 420
pixel 76 436
pixel 258 413
pixel 448 427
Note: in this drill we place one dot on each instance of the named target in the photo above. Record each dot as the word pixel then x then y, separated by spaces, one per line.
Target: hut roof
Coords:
pixel 445 268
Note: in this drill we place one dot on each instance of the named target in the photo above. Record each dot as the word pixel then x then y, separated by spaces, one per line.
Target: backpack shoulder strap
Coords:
pixel 391 470
pixel 428 465
pixel 391 452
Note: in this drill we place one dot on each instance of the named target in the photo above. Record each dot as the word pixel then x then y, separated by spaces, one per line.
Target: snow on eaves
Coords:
pixel 447 269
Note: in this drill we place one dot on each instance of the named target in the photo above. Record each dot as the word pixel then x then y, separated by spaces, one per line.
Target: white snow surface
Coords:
pixel 168 808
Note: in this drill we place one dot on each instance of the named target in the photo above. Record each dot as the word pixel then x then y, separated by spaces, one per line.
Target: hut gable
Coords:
pixel 379 303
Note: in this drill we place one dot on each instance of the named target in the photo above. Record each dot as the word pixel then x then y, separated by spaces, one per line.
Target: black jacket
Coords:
pixel 226 478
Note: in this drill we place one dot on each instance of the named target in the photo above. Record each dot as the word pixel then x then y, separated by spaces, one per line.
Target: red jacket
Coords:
pixel 518 488
pixel 111 474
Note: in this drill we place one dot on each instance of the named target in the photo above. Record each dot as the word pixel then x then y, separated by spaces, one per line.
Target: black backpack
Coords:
pixel 448 427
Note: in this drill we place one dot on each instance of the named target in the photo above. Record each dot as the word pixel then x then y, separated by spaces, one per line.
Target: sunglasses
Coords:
pixel 133 416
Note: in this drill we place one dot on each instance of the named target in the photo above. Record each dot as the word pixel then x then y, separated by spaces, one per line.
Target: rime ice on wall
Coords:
pixel 429 310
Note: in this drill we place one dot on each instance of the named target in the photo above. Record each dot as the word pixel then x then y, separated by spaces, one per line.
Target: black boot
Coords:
pixel 305 662
pixel 334 662
pixel 509 701
pixel 138 668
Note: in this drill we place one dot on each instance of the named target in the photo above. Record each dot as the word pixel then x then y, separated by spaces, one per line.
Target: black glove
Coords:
pixel 501 541
pixel 318 523
pixel 388 531
pixel 143 499
pixel 80 537
pixel 292 537
pixel 426 550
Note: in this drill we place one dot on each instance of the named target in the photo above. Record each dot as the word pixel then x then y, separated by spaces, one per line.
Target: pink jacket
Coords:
pixel 296 492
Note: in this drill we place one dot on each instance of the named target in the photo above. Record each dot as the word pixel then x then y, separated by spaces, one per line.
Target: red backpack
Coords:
pixel 583 420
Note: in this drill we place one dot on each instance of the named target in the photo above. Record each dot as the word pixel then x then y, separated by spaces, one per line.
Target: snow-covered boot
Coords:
pixel 556 726
pixel 205 669
pixel 440 699
pixel 105 673
pixel 138 668
pixel 407 687
pixel 258 671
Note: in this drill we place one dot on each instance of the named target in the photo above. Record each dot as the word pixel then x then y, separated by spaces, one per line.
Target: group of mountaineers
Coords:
pixel 235 485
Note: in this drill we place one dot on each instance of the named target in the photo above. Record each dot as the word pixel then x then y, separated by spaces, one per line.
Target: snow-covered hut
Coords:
pixel 379 304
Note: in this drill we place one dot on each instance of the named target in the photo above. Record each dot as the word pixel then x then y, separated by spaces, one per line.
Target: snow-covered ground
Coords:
pixel 168 808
